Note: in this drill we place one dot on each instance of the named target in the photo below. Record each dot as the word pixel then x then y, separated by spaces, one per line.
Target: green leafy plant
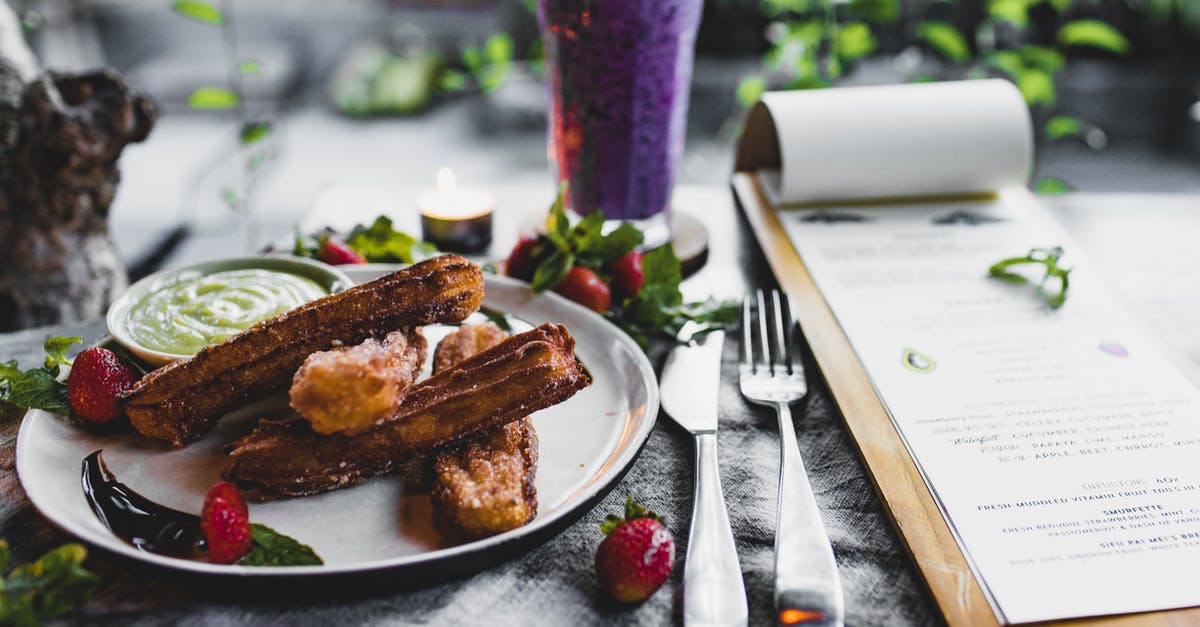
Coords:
pixel 271 548
pixel 38 388
pixel 657 310
pixel 254 151
pixel 379 242
pixel 1053 282
pixel 814 42
pixel 54 585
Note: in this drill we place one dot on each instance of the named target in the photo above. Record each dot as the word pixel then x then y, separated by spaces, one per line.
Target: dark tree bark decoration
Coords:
pixel 60 137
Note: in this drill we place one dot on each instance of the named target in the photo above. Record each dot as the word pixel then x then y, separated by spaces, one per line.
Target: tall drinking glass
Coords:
pixel 618 74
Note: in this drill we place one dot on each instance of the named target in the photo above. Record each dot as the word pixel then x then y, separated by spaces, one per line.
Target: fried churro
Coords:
pixel 348 389
pixel 484 484
pixel 183 400
pixel 523 374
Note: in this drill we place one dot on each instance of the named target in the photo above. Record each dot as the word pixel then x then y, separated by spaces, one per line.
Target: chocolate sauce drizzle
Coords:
pixel 136 519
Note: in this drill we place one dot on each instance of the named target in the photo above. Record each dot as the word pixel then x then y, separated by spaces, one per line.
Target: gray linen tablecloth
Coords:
pixel 554 584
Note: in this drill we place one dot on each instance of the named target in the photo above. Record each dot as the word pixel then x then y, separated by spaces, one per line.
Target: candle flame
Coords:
pixel 445 179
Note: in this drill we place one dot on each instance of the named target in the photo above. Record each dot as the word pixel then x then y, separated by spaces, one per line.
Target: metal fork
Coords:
pixel 807 588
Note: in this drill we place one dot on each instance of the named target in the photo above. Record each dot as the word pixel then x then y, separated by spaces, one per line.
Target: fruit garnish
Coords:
pixel 38 388
pixel 520 264
pixel 636 555
pixel 627 275
pixel 336 254
pixel 225 521
pixel 585 287
pixel 643 288
pixel 378 243
pixel 97 376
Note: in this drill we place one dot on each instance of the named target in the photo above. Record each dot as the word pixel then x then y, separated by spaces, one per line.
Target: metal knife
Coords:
pixel 713 592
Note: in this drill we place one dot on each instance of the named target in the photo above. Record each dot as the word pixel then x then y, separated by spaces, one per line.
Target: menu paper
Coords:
pixel 1061 445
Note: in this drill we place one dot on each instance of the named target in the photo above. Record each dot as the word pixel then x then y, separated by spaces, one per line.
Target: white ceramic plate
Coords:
pixel 587 443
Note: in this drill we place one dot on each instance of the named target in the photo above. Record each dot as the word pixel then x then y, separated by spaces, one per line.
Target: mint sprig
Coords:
pixel 658 309
pixel 38 388
pixel 54 585
pixel 585 244
pixel 1056 292
pixel 271 548
pixel 379 242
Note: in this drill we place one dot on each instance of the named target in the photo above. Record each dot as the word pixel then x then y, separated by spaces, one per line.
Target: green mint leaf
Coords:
pixel 54 585
pixel 199 11
pixel 660 267
pixel 598 248
pixel 37 389
pixel 552 271
pixel 498 318
pixel 253 132
pixel 212 98
pixel 1055 294
pixel 558 227
pixel 380 243
pixel 271 548
pixel 56 352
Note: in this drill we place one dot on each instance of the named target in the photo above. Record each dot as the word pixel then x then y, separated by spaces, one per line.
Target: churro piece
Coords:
pixel 484 484
pixel 350 388
pixel 183 400
pixel 525 373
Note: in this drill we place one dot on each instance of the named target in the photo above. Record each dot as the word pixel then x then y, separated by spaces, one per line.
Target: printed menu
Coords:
pixel 1062 445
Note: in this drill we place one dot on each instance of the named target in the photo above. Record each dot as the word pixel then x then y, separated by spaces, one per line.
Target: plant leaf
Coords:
pixel 854 40
pixel 1037 86
pixel 56 352
pixel 498 48
pixel 750 90
pixel 1041 57
pixel 552 271
pixel 271 548
pixel 876 10
pixel 381 243
pixel 1061 126
pixel 945 39
pixel 213 98
pixel 253 132
pixel 1051 186
pixel 199 11
pixel 250 66
pixel 1094 34
pixel 1014 11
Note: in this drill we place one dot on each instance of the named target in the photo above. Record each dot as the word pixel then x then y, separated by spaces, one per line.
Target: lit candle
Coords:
pixel 456 219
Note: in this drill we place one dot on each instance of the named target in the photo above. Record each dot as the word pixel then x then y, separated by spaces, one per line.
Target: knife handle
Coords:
pixel 713 593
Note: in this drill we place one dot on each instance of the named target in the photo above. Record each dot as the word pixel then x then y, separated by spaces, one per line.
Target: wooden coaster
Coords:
pixel 689 236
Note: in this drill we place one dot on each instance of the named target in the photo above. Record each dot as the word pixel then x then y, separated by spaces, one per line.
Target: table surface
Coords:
pixel 1140 239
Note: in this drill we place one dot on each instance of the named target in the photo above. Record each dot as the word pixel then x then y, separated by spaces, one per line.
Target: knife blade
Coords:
pixel 713 592
pixel 690 381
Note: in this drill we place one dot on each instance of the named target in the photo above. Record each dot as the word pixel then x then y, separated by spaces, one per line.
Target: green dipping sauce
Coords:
pixel 197 311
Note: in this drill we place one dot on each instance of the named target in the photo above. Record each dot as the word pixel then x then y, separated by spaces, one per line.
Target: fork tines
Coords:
pixel 768 335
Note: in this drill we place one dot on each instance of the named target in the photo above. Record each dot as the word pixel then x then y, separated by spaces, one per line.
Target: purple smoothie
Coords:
pixel 618 73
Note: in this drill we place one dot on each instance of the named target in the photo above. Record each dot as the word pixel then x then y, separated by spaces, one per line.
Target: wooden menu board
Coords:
pixel 900 485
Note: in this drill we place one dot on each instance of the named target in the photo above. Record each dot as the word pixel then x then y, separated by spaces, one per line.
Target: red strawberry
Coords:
pixel 96 378
pixel 225 521
pixel 585 287
pixel 520 264
pixel 627 277
pixel 636 555
pixel 336 254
